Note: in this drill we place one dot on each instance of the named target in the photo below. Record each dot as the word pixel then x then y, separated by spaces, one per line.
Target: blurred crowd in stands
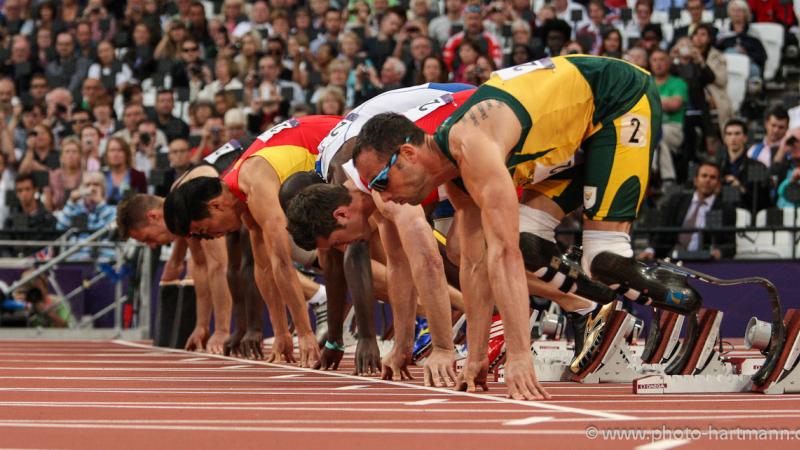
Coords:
pixel 99 98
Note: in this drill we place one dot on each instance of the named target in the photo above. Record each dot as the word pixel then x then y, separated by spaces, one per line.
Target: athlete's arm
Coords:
pixel 336 289
pixel 216 262
pixel 259 182
pixel 481 141
pixel 174 265
pixel 359 276
pixel 199 337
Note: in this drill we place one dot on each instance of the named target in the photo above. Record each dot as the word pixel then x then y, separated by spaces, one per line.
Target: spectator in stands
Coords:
pixel 369 84
pixel 29 215
pixel 473 29
pixel 146 144
pixel 91 143
pixel 773 11
pixel 674 98
pixel 272 87
pixel 198 26
pixel 360 14
pixel 44 309
pixel 333 26
pixel 104 25
pixel 690 210
pixel 8 101
pixel 776 124
pixel 131 118
pixel 331 101
pixel 612 44
pixel 13 18
pixel 433 71
pixel 90 90
pixel 81 118
pixel 6 185
pixel 556 34
pixel 67 177
pixel 695 8
pixel 199 112
pixel 140 56
pixel 749 176
pixel 171 41
pixel 717 95
pixel 225 72
pixel 235 122
pixel 214 136
pixel 40 155
pixel 87 209
pixel 44 47
pixel 522 10
pixel 171 126
pixel 692 69
pixel 521 35
pixel 337 77
pixel 468 53
pixel 737 39
pixel 421 48
pixel 59 111
pixel 652 38
pixel 441 27
pixel 179 163
pixel 637 56
pixel 46 17
pixel 84 45
pixel 251 49
pixel 643 12
pixel 68 70
pixel 20 66
pixel 120 176
pixel 38 90
pixel 590 34
pixel 112 73
pixel 103 114
pixel 32 116
pixel 258 21
pixel 564 10
pixel 384 44
pixel 789 187
pixel 480 72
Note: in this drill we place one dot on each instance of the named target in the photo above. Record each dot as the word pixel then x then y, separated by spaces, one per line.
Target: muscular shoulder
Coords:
pixel 489 120
pixel 257 174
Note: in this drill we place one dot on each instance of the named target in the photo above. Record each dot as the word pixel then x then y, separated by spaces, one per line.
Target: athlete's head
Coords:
pixel 326 215
pixel 201 207
pixel 387 155
pixel 141 217
pixel 294 184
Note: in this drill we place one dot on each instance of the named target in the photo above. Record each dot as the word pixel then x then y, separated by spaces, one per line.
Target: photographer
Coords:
pixel 147 143
pixel 28 215
pixel 59 103
pixel 789 188
pixel 43 309
pixel 40 155
pixel 214 135
pixel 87 210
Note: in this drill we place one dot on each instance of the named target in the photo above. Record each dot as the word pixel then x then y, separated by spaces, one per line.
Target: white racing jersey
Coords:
pixel 396 101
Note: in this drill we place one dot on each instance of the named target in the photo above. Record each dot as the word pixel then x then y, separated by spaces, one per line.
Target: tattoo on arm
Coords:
pixel 474 118
pixel 482 110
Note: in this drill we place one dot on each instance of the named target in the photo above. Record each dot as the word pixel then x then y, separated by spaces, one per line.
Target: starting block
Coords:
pixel 783 378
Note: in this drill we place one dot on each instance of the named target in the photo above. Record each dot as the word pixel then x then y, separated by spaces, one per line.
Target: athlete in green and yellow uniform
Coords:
pixel 569 130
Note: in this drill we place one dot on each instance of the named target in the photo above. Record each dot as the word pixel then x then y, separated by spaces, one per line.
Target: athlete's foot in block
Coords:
pixel 473 376
pixel 309 350
pixel 252 344
pixel 232 345
pixel 520 378
pixel 197 340
pixel 368 357
pixel 282 349
pixel 395 365
pixel 216 344
pixel 439 368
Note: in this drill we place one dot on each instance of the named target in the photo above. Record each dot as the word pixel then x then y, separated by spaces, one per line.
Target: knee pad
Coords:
pixel 538 223
pixel 596 242
pixel 543 259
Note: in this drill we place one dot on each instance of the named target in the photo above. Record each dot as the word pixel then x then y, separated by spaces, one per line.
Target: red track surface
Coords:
pixel 113 395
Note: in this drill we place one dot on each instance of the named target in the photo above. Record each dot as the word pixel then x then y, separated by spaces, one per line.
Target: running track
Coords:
pixel 119 395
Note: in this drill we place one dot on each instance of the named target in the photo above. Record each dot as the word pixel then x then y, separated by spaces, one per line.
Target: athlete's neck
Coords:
pixel 441 169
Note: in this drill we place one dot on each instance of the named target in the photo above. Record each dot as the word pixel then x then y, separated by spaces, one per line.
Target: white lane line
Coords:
pixel 291 375
pixel 657 399
pixel 276 368
pixel 663 444
pixel 352 387
pixel 192 359
pixel 528 421
pixel 429 401
pixel 260 408
pixel 530 404
pixel 326 430
pixel 240 366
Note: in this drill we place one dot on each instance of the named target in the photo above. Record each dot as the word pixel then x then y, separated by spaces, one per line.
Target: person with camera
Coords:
pixel 787 168
pixel 43 309
pixel 28 218
pixel 40 155
pixel 369 84
pixel 88 211
pixel 147 143
pixel 213 137
pixel 59 103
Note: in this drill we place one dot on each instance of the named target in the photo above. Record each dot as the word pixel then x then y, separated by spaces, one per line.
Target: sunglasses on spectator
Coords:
pixel 190 49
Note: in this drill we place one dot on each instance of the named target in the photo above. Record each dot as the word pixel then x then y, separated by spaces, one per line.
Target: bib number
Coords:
pixel 222 151
pixel 522 69
pixel 426 108
pixel 285 125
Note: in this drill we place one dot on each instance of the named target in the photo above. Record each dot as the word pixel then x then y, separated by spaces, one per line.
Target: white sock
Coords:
pixel 596 242
pixel 587 310
pixel 320 297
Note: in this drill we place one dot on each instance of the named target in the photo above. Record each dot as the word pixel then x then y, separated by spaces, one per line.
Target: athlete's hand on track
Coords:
pixel 252 344
pixel 282 349
pixel 329 359
pixel 439 369
pixel 309 350
pixel 231 347
pixel 521 378
pixel 368 357
pixel 395 365
pixel 197 340
pixel 217 342
pixel 473 376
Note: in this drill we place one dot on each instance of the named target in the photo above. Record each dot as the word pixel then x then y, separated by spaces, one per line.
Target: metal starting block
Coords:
pixel 784 378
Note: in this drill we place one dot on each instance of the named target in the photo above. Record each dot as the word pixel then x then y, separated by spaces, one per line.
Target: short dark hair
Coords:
pixel 132 212
pixel 709 163
pixel 310 213
pixel 296 183
pixel 705 26
pixel 189 202
pixel 736 122
pixel 778 112
pixel 165 91
pixel 385 133
pixel 23 177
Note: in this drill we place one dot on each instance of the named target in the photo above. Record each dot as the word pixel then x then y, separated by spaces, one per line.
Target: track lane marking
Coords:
pixel 663 444
pixel 527 421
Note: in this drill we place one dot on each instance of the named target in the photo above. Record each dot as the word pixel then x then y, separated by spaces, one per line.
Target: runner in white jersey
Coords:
pixel 398 100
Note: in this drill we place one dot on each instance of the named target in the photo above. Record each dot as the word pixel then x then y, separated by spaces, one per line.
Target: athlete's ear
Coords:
pixel 215 203
pixel 409 152
pixel 341 214
pixel 155 214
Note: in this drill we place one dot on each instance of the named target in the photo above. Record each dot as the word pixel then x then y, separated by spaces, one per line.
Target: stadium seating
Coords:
pixel 771 35
pixel 738 71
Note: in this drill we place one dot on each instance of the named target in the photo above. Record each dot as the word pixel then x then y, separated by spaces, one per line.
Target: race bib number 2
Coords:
pixel 513 72
pixel 285 125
